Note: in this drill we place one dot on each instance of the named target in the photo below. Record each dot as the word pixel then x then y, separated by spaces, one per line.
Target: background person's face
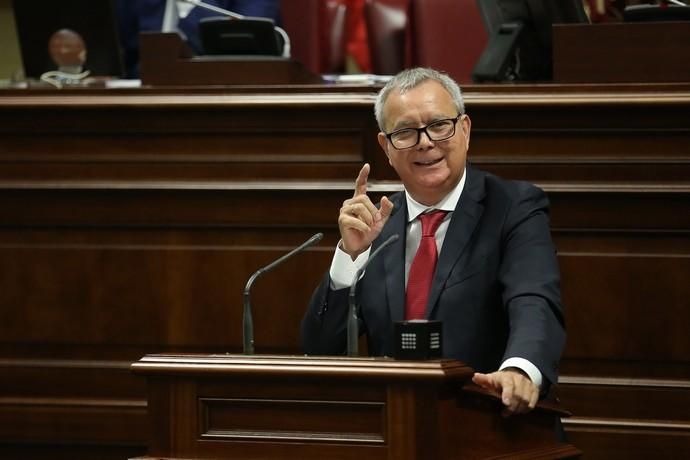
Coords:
pixel 67 49
pixel 430 169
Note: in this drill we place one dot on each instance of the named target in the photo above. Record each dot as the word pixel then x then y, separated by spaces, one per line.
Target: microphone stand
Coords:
pixel 352 320
pixel 247 321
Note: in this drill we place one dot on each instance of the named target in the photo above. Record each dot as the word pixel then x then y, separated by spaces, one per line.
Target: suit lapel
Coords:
pixel 467 213
pixel 394 259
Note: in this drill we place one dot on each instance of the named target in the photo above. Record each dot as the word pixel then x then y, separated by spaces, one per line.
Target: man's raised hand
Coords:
pixel 360 222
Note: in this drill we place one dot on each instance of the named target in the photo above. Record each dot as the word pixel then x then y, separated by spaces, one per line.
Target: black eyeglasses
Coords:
pixel 437 131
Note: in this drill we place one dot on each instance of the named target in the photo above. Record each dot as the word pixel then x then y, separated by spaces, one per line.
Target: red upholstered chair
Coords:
pixel 388 32
pixel 317 33
pixel 447 35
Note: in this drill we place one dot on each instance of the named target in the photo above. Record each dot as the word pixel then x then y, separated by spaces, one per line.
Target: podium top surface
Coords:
pixel 302 366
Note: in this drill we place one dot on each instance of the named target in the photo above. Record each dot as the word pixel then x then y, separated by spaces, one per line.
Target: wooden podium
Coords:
pixel 645 52
pixel 167 61
pixel 252 407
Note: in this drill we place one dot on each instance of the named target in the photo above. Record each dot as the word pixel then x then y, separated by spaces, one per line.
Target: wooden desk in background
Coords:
pixel 131 220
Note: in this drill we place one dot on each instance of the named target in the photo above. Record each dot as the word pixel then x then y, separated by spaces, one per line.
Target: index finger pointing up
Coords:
pixel 361 182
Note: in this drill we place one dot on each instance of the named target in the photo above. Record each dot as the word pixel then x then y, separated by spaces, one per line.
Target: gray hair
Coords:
pixel 411 78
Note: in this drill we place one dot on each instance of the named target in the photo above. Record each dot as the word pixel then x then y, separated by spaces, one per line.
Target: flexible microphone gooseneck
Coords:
pixel 247 321
pixel 214 8
pixel 352 324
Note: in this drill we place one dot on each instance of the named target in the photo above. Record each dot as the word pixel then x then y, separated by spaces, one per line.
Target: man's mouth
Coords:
pixel 428 162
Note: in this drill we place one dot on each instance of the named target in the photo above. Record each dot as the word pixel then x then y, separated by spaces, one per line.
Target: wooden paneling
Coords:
pixel 642 51
pixel 168 137
pixel 236 418
pixel 68 408
pixel 131 221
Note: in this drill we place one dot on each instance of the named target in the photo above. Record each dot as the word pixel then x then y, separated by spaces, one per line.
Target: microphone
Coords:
pixel 247 322
pixel 352 324
pixel 279 30
pixel 214 8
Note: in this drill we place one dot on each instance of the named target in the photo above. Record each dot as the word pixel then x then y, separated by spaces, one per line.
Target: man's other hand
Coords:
pixel 517 391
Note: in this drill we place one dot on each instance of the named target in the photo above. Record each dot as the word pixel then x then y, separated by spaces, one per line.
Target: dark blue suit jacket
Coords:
pixel 496 287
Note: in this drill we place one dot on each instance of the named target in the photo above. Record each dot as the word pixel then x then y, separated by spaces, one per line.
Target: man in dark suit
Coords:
pixel 495 286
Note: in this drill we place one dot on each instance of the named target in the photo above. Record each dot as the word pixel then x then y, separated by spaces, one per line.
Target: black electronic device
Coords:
pixel 418 339
pixel 246 36
pixel 519 46
pixel 94 21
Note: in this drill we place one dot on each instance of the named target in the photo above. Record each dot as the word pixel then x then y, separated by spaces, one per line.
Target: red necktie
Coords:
pixel 423 267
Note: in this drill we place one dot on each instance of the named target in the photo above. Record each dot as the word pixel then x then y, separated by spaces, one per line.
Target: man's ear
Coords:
pixel 383 142
pixel 466 124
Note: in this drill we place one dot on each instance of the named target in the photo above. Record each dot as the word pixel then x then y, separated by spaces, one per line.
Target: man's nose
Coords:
pixel 425 140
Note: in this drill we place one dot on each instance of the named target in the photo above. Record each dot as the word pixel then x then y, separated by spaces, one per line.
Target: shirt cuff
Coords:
pixel 343 268
pixel 527 367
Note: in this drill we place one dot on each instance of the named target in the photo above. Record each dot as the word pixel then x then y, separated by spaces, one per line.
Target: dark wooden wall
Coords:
pixel 131 220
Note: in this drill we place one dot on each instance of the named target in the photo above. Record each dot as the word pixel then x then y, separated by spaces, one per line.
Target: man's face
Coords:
pixel 67 48
pixel 430 169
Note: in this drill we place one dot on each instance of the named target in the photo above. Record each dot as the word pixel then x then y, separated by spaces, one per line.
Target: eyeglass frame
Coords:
pixel 424 130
